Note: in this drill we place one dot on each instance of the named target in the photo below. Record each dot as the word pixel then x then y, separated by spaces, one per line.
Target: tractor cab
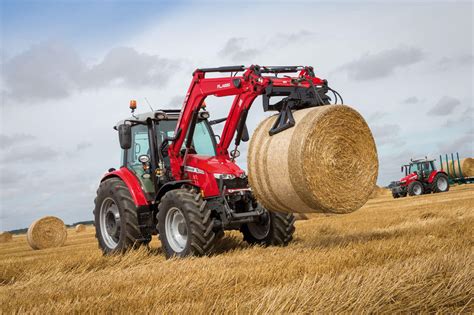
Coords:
pixel 421 177
pixel 145 144
pixel 422 167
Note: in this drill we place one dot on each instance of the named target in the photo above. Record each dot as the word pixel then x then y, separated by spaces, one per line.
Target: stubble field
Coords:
pixel 407 255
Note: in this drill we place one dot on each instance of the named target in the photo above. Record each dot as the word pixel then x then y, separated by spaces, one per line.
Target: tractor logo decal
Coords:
pixel 222 86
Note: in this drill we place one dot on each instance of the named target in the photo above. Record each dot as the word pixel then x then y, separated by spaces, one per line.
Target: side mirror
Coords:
pixel 245 134
pixel 125 136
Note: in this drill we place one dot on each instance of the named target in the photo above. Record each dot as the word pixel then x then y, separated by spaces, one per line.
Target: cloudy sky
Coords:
pixel 69 69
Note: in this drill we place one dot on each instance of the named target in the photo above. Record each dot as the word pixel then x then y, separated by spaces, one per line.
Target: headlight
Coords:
pixel 144 158
pixel 224 176
pixel 204 115
pixel 160 115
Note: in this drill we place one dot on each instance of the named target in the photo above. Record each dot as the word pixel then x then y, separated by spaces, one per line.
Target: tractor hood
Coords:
pixel 408 178
pixel 214 165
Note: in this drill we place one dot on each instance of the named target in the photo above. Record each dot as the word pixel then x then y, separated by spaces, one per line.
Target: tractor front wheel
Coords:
pixel 275 229
pixel 185 225
pixel 440 183
pixel 416 189
pixel 115 218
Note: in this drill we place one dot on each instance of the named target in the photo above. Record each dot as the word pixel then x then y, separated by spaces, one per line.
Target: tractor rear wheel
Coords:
pixel 115 218
pixel 276 229
pixel 440 183
pixel 185 225
pixel 416 189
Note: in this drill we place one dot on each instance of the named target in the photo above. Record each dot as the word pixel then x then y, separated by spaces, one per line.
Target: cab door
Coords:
pixel 140 146
pixel 426 169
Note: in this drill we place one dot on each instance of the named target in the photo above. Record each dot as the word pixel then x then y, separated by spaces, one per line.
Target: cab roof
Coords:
pixel 171 114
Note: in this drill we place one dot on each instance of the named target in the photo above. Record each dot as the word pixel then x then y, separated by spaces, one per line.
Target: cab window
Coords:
pixel 413 168
pixel 140 144
pixel 427 166
pixel 202 140
pixel 203 143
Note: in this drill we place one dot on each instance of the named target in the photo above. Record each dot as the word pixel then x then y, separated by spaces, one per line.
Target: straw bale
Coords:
pixel 467 167
pixel 326 163
pixel 5 237
pixel 80 228
pixel 47 232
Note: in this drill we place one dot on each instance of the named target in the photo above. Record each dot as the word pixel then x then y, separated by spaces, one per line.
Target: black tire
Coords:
pixel 416 189
pixel 276 231
pixel 200 237
pixel 437 185
pixel 395 195
pixel 112 192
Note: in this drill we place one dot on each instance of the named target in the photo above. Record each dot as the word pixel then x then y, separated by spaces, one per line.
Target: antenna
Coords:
pixel 149 104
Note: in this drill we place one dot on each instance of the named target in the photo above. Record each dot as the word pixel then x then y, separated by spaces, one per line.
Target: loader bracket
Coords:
pixel 295 98
pixel 284 121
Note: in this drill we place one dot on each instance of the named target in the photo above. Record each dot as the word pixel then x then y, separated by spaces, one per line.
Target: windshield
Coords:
pixel 413 168
pixel 203 143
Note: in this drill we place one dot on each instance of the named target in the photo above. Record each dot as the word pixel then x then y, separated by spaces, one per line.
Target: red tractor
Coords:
pixel 178 181
pixel 421 177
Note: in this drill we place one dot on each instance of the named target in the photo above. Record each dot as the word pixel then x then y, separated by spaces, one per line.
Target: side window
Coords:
pixel 140 144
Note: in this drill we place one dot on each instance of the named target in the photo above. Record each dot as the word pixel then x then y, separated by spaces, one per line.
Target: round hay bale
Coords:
pixel 80 228
pixel 5 237
pixel 467 167
pixel 326 163
pixel 46 232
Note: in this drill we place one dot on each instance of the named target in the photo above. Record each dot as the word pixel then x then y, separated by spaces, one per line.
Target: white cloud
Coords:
pixel 445 106
pixel 235 49
pixel 7 141
pixel 411 100
pixel 382 64
pixel 52 70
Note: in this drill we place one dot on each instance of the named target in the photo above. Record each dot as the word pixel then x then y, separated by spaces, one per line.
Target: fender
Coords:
pixel 132 183
pixel 433 175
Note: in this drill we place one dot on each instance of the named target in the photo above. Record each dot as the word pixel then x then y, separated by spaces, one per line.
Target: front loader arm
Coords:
pixel 246 88
pixel 200 88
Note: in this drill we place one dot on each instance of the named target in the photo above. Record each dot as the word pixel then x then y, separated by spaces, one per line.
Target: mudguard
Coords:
pixel 132 183
pixel 433 175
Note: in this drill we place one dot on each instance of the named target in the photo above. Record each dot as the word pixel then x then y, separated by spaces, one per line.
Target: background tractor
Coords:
pixel 175 180
pixel 421 177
